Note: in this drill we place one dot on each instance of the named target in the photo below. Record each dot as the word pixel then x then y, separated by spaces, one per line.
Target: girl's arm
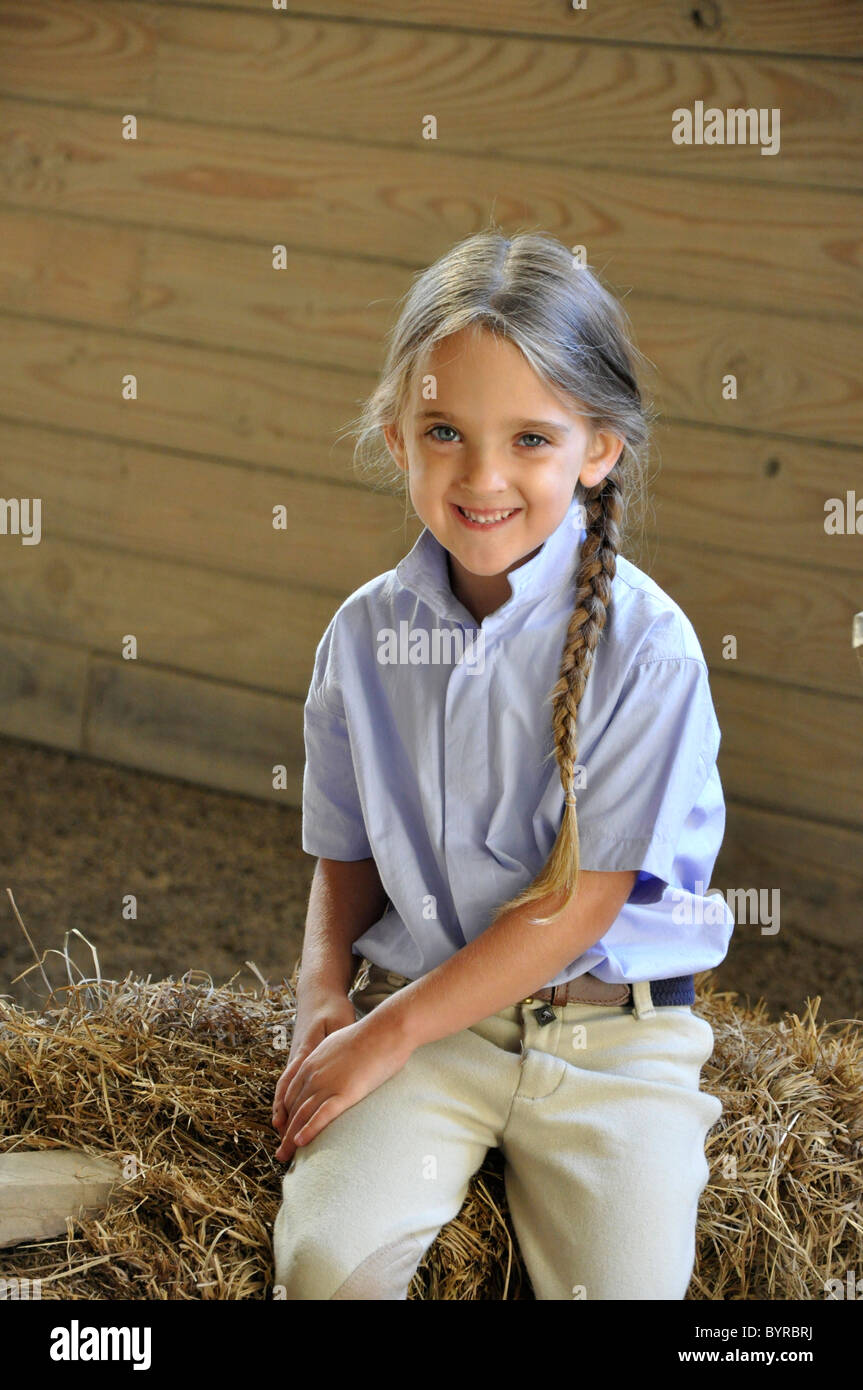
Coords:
pixel 510 958
pixel 346 898
pixel 507 962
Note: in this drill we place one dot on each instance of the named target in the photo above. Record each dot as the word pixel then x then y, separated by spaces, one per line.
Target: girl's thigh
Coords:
pixel 363 1201
pixel 606 1167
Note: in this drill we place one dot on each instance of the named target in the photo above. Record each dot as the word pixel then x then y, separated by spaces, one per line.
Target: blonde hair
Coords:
pixel 529 289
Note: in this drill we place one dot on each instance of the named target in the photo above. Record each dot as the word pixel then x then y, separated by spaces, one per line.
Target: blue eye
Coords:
pixel 528 435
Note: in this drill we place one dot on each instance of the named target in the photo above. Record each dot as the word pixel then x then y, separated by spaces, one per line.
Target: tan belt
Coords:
pixel 586 989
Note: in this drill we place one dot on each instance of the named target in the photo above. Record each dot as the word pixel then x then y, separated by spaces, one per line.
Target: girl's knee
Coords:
pixel 315 1268
pixel 306 1262
pixel 386 1273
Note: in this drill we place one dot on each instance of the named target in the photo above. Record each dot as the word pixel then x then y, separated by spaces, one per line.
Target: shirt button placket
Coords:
pixel 465 772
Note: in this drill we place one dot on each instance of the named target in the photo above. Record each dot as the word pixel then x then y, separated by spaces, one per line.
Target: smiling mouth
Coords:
pixel 484 521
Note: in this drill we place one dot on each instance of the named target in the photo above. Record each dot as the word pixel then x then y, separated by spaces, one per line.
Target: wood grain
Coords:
pixel 494 93
pixel 782 26
pixel 42 689
pixel 706 238
pixel 197 730
pixel 256 633
pixel 817 867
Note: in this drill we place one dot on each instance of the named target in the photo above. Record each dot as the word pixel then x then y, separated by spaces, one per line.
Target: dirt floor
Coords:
pixel 222 879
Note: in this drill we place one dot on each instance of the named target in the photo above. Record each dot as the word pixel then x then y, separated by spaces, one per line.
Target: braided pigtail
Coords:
pixel 596 571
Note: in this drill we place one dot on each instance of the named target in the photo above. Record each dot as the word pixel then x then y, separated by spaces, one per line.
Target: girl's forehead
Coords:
pixel 497 359
pixel 540 397
pixel 475 340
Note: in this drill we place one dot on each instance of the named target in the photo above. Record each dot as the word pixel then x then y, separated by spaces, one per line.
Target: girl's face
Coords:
pixel 492 439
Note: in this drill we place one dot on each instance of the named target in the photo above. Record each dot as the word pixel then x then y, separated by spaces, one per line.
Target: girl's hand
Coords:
pixel 320 1012
pixel 344 1067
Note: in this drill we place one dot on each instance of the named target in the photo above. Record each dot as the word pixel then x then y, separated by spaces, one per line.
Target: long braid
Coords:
pixel 596 570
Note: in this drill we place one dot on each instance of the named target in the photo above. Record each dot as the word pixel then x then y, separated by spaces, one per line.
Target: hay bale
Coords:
pixel 175 1079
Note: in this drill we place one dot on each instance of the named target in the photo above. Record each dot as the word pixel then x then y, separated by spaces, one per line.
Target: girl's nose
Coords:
pixel 484 475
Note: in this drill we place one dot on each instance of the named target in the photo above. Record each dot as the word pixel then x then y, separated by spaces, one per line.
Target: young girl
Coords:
pixel 531 964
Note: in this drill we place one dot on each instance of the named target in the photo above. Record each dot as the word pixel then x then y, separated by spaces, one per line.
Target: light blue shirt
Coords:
pixel 438 763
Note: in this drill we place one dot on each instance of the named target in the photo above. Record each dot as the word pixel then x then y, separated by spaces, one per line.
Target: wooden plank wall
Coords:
pixel 259 126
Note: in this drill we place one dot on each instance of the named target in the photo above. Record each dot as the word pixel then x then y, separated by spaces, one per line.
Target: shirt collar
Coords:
pixel 424 570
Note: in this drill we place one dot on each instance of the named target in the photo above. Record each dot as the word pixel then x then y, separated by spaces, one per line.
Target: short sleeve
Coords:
pixel 639 807
pixel 333 825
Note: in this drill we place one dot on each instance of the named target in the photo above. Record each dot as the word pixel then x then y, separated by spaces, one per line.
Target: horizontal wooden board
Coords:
pixel 782 26
pixel 817 868
pixel 712 239
pixel 791 750
pixel 748 495
pixel 794 375
pixel 70 268
pixel 204 512
pixel 42 690
pixel 576 104
pixel 786 629
pixel 528 98
pixel 201 731
pixel 250 632
pixel 286 417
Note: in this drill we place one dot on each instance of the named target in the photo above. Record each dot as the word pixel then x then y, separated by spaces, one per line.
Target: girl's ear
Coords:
pixel 395 444
pixel 604 451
